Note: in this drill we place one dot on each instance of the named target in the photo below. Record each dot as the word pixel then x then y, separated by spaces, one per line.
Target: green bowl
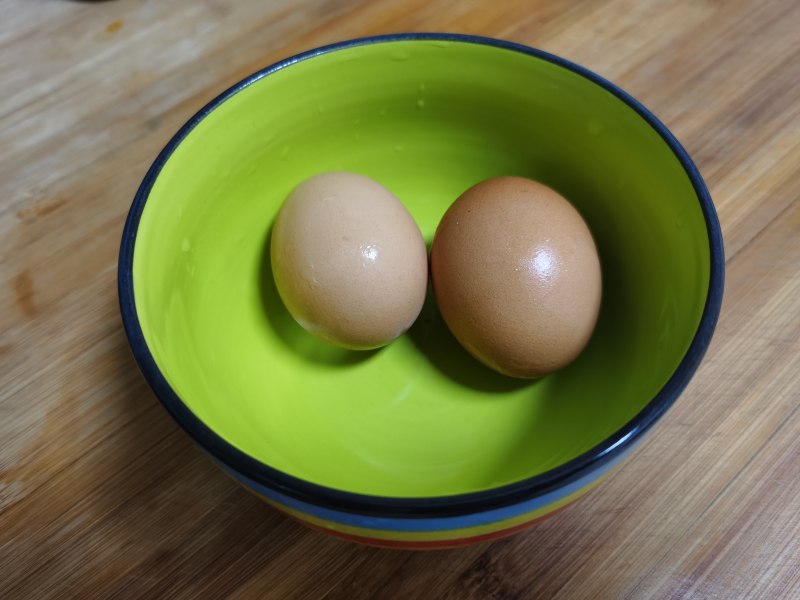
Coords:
pixel 416 443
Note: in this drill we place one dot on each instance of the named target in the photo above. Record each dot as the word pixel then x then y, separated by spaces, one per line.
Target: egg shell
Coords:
pixel 349 261
pixel 516 276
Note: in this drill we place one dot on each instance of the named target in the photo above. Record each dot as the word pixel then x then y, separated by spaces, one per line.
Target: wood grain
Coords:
pixel 101 496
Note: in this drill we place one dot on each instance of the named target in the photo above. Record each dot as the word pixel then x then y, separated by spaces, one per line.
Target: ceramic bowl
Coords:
pixel 415 445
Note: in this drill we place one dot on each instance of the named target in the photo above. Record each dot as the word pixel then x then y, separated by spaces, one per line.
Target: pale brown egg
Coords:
pixel 349 261
pixel 516 276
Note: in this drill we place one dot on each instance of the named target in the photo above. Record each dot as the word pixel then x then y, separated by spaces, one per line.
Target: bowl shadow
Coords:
pixel 293 336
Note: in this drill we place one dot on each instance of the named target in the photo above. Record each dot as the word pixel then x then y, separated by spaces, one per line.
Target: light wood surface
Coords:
pixel 102 496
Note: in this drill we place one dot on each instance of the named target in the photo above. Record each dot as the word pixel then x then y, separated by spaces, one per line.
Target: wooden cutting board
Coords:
pixel 102 496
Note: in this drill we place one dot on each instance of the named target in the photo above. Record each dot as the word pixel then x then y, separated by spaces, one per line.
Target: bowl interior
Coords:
pixel 427 119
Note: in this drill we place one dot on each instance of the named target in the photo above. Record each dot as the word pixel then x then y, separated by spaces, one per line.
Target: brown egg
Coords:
pixel 516 276
pixel 349 261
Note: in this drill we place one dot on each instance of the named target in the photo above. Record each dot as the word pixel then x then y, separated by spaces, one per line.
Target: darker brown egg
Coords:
pixel 516 276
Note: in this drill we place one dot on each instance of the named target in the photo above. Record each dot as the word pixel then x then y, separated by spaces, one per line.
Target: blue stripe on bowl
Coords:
pixel 432 524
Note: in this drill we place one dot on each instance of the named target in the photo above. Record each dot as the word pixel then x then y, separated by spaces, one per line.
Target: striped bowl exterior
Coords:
pixel 429 533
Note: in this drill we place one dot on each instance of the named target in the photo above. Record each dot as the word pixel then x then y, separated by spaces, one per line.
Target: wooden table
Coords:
pixel 101 495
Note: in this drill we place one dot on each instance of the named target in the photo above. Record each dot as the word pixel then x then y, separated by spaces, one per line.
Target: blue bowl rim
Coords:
pixel 437 506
